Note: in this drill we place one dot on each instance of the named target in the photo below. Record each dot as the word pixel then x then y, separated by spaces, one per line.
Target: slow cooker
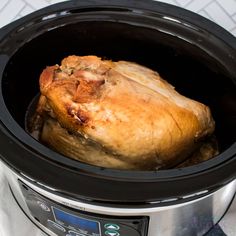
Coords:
pixel 69 198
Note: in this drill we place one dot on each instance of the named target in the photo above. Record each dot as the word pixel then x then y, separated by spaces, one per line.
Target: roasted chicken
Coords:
pixel 118 115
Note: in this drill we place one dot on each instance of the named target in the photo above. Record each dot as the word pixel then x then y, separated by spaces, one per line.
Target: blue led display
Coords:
pixel 92 227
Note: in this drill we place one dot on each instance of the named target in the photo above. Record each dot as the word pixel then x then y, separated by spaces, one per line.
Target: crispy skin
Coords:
pixel 134 118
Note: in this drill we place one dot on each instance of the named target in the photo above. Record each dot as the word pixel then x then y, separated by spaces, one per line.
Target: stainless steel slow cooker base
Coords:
pixel 194 217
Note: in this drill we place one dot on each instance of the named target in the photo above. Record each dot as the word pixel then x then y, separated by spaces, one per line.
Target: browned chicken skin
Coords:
pixel 118 115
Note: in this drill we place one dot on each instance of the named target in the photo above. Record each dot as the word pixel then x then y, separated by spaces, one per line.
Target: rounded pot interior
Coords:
pixel 196 72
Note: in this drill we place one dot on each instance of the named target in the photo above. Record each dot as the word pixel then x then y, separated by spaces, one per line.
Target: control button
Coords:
pixel 56 226
pixel 112 226
pixel 71 227
pixel 73 233
pixel 43 206
pixel 112 233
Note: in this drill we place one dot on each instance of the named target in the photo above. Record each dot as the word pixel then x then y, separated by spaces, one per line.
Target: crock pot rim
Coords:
pixel 156 8
pixel 116 174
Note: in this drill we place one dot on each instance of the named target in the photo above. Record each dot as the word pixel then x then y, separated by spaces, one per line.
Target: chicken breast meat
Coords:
pixel 118 115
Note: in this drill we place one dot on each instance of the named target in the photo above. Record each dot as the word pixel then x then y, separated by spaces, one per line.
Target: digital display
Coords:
pixel 87 227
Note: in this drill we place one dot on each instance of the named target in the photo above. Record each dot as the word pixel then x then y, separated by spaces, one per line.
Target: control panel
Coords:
pixel 65 221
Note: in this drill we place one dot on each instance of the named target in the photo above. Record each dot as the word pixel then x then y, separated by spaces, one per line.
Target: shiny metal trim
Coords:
pixel 194 217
